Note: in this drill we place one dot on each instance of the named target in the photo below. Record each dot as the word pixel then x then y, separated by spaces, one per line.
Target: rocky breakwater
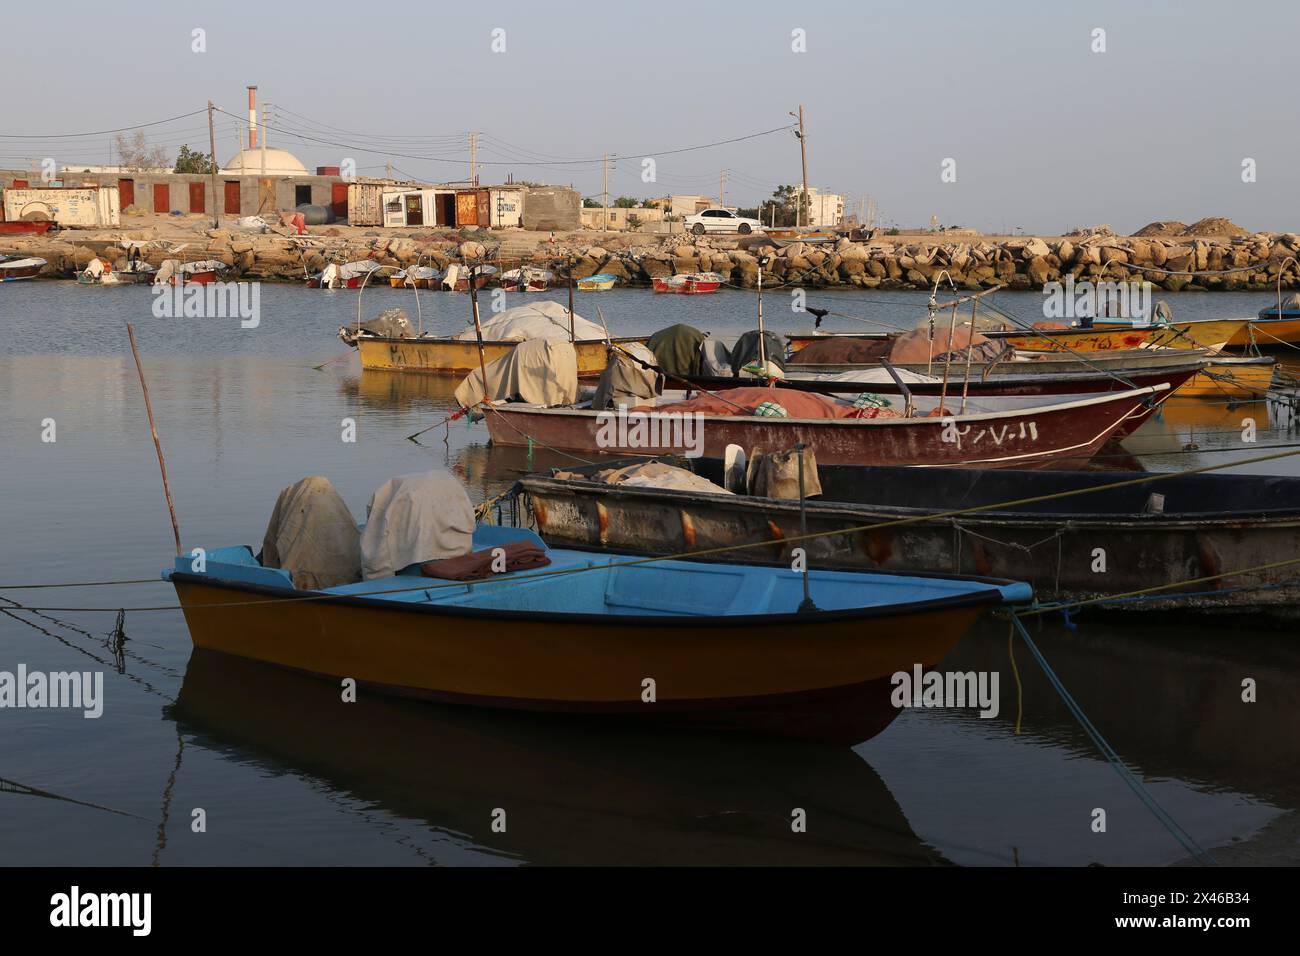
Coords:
pixel 1251 262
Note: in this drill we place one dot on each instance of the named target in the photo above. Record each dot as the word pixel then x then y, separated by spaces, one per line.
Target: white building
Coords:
pixel 825 210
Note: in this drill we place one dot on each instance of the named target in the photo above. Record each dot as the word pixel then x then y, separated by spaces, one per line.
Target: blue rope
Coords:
pixel 1179 834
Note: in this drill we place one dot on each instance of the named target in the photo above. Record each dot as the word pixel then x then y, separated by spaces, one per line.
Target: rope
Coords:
pixel 726 549
pixel 1159 812
pixel 1015 671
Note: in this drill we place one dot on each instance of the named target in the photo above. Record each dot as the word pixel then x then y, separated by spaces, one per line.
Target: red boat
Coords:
pixel 1061 434
pixel 21 226
pixel 689 283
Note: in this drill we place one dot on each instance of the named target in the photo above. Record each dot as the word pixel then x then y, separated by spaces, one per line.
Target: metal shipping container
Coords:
pixel 365 204
pixel 85 206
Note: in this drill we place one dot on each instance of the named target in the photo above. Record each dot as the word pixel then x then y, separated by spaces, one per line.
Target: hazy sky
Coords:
pixel 1046 133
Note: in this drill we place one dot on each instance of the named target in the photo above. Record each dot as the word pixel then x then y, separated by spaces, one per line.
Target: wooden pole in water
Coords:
pixel 478 329
pixel 162 465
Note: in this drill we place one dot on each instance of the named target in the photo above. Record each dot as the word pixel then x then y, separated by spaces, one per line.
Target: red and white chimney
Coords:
pixel 252 117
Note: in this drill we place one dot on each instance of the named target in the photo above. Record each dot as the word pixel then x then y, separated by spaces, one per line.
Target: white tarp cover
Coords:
pixel 313 535
pixel 537 320
pixel 656 474
pixel 415 518
pixel 540 371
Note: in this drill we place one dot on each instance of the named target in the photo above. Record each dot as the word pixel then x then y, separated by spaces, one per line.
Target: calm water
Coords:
pixel 242 413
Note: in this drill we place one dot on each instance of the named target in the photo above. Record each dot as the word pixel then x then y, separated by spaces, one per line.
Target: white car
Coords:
pixel 721 220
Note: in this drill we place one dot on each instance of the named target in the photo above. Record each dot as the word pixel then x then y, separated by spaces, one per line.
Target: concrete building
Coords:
pixel 825 210
pixel 619 219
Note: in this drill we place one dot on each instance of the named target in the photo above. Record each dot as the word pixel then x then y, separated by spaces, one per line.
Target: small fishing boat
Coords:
pixel 689 283
pixel 457 277
pixel 1152 534
pixel 346 275
pixel 527 279
pixel 660 642
pixel 600 282
pixel 788 237
pixel 1206 333
pixel 1246 378
pixel 34 227
pixel 16 268
pixel 101 273
pixel 1054 434
pixel 459 354
pixel 415 277
pixel 1104 338
pixel 1275 325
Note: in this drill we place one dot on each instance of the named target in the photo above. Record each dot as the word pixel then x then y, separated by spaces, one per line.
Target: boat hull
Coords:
pixel 1051 551
pixel 688 287
pixel 460 356
pixel 829 681
pixel 25 227
pixel 20 273
pixel 1066 434
pixel 1209 333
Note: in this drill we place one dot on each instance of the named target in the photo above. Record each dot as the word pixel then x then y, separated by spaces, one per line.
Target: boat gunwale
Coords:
pixel 1096 399
pixel 989 595
pixel 473 343
pixel 1136 519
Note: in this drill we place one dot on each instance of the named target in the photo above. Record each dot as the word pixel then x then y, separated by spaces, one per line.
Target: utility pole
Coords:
pixel 605 212
pixel 473 158
pixel 803 155
pixel 388 169
pixel 212 145
pixel 722 188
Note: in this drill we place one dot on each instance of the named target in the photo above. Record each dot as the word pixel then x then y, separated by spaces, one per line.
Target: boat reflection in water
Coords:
pixel 574 791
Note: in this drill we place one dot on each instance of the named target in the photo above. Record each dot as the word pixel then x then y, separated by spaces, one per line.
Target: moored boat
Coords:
pixel 346 275
pixel 1152 534
pixel 34 227
pixel 414 277
pixel 587 636
pixel 688 283
pixel 527 279
pixel 1205 333
pixel 1053 434
pixel 16 268
pixel 600 282
pixel 457 276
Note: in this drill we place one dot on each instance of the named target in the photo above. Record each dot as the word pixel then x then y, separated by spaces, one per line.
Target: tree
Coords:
pixel 135 153
pixel 590 203
pixel 626 202
pixel 188 161
pixel 785 204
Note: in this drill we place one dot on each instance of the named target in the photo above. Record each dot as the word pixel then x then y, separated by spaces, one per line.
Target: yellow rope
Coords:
pixel 1011 651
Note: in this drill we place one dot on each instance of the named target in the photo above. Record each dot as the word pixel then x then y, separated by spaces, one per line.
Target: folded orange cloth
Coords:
pixel 519 556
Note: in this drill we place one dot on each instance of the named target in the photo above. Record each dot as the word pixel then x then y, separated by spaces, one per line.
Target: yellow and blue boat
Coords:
pixel 601 282
pixel 672 641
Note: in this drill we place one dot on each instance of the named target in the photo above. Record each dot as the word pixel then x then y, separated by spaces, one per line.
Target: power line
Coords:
pixel 102 132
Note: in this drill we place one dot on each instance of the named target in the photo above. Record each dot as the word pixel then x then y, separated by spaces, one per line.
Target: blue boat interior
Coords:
pixel 669 588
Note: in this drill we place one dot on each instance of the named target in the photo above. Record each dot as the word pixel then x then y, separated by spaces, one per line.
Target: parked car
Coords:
pixel 721 220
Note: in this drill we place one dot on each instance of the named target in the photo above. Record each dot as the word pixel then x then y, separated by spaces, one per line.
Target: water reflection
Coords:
pixel 574 791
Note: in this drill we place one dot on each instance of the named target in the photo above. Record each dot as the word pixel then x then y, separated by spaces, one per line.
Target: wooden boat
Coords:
pixel 1103 338
pixel 1206 333
pixel 688 283
pixel 457 277
pixel 998 393
pixel 16 268
pixel 1204 525
pixel 788 237
pixel 415 277
pixel 35 227
pixel 587 641
pixel 1247 378
pixel 600 282
pixel 448 356
pixel 1049 435
pixel 347 275
pixel 1272 328
pixel 526 279
pixel 1013 362
pixel 136 274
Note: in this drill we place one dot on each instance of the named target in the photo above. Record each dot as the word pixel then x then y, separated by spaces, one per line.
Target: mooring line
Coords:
pixel 724 549
pixel 1112 756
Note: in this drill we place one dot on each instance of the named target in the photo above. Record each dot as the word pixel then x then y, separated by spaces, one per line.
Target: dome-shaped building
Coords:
pixel 269 162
